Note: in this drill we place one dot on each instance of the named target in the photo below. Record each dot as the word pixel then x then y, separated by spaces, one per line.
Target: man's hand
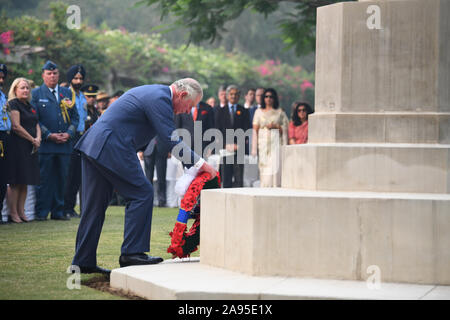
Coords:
pixel 59 137
pixel 208 168
pixel 64 137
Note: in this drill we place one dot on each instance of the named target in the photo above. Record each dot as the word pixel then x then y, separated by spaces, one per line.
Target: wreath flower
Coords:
pixel 184 243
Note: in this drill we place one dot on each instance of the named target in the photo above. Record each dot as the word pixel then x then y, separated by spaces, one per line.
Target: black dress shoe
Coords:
pixel 138 259
pixel 40 219
pixel 63 217
pixel 95 269
pixel 72 214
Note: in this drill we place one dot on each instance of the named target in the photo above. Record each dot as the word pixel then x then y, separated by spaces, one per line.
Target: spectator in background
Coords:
pixel 211 101
pixel 222 95
pixel 58 119
pixel 234 116
pixel 24 142
pixel 258 102
pixel 203 116
pixel 115 96
pixel 156 156
pixel 249 98
pixel 185 121
pixel 90 92
pixel 102 101
pixel 5 128
pixel 268 118
pixel 298 126
pixel 75 76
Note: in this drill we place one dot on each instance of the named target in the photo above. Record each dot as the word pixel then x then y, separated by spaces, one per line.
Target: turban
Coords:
pixel 78 68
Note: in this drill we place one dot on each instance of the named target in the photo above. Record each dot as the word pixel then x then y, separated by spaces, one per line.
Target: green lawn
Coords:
pixel 34 256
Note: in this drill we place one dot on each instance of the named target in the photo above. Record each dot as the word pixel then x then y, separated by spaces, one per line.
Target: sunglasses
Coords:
pixel 301 110
pixel 271 97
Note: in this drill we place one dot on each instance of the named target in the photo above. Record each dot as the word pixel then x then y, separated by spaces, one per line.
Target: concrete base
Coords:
pixel 328 235
pixel 189 279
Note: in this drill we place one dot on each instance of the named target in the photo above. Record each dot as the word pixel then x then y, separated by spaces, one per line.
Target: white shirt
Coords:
pixel 56 92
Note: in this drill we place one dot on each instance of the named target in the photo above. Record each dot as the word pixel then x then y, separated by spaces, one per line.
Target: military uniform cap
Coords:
pixel 49 65
pixel 3 69
pixel 90 90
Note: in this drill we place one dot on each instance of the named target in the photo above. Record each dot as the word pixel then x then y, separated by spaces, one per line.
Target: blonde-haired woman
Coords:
pixel 24 142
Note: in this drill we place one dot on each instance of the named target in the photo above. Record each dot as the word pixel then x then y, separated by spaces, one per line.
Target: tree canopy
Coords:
pixel 119 59
pixel 206 19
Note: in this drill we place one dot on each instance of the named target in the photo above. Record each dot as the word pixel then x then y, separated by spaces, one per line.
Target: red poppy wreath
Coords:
pixel 184 243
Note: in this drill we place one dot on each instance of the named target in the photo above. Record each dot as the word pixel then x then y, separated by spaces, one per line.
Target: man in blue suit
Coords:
pixel 109 162
pixel 58 120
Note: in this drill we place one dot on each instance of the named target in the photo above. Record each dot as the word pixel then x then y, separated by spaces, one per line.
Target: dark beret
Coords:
pixel 49 65
pixel 73 70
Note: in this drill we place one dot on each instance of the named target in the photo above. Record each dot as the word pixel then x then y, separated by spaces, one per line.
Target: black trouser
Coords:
pixel 4 137
pixel 160 161
pixel 231 170
pixel 73 182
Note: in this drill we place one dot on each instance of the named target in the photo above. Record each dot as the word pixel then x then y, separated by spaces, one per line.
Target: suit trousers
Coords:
pixel 160 161
pixel 98 184
pixel 231 169
pixel 73 183
pixel 50 191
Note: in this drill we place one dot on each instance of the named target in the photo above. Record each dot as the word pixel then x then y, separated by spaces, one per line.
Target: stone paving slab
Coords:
pixel 189 279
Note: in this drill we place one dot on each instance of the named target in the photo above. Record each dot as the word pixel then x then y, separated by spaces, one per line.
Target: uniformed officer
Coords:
pixel 5 128
pixel 90 91
pixel 75 77
pixel 58 118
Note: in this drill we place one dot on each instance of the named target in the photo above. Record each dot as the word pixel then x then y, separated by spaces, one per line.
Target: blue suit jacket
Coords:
pixel 51 119
pixel 128 125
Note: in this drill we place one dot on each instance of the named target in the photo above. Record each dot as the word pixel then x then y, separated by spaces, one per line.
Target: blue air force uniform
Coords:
pixel 54 158
pixel 73 181
pixel 5 128
pixel 109 162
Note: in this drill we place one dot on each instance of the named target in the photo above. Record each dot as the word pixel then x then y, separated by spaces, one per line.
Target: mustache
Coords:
pixel 77 86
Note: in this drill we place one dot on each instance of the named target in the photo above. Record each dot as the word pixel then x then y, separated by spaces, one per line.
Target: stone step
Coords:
pixel 380 127
pixel 375 167
pixel 330 235
pixel 188 279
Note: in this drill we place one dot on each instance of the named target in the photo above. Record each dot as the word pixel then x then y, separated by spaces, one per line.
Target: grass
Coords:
pixel 34 256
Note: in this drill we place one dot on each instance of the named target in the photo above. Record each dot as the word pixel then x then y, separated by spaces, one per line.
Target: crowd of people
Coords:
pixel 40 126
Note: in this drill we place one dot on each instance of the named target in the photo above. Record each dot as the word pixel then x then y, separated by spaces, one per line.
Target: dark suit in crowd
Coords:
pixel 202 114
pixel 236 117
pixel 156 156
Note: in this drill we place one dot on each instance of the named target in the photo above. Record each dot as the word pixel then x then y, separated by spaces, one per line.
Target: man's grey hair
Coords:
pixel 191 86
pixel 231 87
